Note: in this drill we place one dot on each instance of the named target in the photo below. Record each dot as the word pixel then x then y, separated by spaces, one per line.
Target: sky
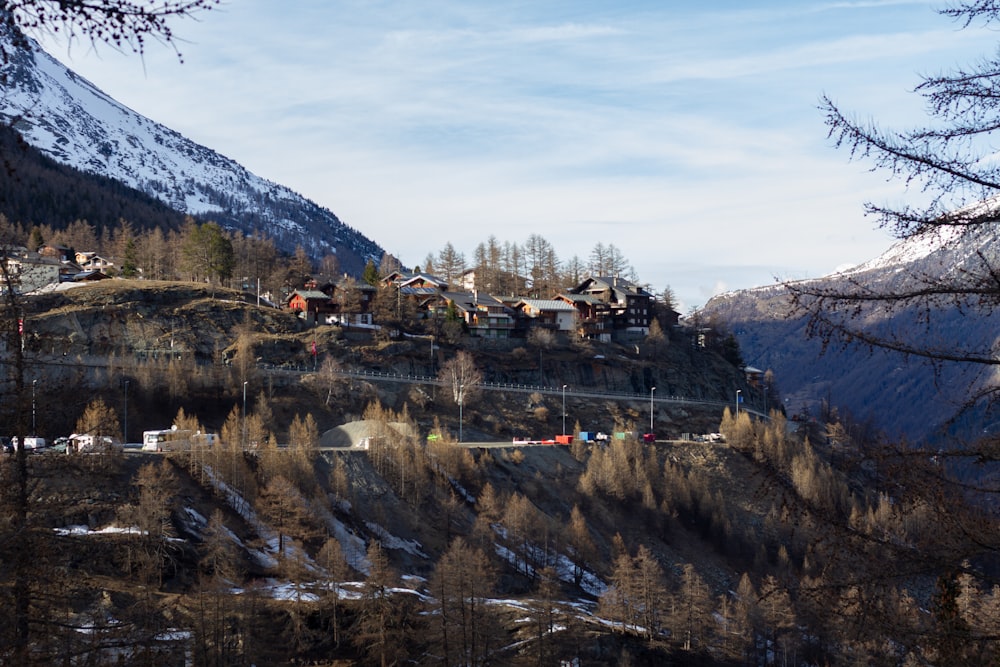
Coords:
pixel 685 133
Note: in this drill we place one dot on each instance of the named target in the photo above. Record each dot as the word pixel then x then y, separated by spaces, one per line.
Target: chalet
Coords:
pixel 492 282
pixel 352 302
pixel 755 376
pixel 592 315
pixel 91 261
pixel 625 306
pixel 57 251
pixel 422 289
pixel 420 283
pixel 555 314
pixel 467 280
pixel 411 281
pixel 310 303
pixel 484 315
pixel 396 276
pixel 68 271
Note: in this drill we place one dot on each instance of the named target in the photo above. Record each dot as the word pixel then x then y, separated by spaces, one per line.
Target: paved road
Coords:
pixel 379 376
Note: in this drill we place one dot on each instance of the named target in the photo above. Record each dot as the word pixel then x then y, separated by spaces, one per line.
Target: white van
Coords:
pixel 85 443
pixel 30 442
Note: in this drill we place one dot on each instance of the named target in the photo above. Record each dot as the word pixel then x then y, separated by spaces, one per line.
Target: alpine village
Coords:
pixel 228 441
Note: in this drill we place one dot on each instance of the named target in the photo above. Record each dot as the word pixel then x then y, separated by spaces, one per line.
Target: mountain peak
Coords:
pixel 75 123
pixel 890 389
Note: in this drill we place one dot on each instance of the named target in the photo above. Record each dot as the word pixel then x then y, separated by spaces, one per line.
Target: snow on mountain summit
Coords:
pixel 72 121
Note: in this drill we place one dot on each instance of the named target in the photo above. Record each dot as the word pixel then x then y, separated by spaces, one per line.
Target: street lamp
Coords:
pixel 244 443
pixel 738 394
pixel 651 390
pixel 33 383
pixel 125 427
pixel 564 410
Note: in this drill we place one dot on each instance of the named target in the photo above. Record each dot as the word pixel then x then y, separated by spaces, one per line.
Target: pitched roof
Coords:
pixel 310 294
pixel 547 304
pixel 613 283
pixel 425 277
pixel 581 298
pixel 93 274
pixel 417 291
pixel 471 300
pixel 33 258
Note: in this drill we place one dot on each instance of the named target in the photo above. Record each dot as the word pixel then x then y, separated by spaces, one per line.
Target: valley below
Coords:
pixel 287 543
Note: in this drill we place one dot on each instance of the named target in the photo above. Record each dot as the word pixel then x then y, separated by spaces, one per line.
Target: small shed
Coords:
pixel 89 276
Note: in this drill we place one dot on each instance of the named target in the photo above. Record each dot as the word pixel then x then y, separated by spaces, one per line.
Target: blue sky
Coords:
pixel 686 133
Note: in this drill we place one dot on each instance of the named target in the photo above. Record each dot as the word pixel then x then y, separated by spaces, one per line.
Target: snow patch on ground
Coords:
pixel 352 547
pixel 390 541
pixel 79 530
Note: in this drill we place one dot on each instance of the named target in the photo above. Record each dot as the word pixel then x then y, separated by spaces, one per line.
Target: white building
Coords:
pixel 30 271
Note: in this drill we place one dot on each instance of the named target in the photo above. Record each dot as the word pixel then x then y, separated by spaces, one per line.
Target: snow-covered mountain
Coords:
pixel 901 395
pixel 75 123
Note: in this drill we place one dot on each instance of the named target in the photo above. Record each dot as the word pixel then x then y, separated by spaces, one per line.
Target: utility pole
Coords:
pixel 125 427
pixel 244 443
pixel 651 390
pixel 564 410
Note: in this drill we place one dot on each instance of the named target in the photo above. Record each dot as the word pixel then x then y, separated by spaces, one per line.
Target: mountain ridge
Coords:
pixel 903 396
pixel 72 121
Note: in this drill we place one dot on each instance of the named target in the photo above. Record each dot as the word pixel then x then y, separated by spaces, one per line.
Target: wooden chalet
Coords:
pixel 91 261
pixel 611 308
pixel 63 253
pixel 555 314
pixel 592 315
pixel 484 315
pixel 406 281
pixel 310 302
pixel 351 302
pixel 492 282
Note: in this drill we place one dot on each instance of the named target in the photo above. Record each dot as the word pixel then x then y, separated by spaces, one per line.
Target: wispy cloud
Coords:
pixel 685 133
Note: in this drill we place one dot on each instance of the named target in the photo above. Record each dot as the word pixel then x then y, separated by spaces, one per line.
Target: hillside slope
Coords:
pixel 902 395
pixel 180 345
pixel 262 549
pixel 73 122
pixel 34 192
pixel 90 502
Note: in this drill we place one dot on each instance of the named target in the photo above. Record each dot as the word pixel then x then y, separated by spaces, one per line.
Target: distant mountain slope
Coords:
pixel 75 123
pixel 903 396
pixel 34 191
